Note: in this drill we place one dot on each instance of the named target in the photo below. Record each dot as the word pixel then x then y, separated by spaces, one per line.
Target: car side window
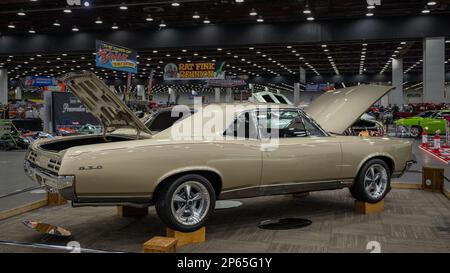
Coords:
pixel 243 127
pixel 281 123
pixel 286 124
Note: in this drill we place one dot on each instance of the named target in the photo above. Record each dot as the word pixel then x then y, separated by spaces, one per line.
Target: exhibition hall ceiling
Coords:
pixel 324 59
pixel 31 17
pixel 51 16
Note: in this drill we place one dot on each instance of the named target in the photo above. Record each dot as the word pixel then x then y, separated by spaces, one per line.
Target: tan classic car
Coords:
pixel 248 150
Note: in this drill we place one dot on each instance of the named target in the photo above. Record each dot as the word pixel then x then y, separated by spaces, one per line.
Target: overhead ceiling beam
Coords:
pixel 235 35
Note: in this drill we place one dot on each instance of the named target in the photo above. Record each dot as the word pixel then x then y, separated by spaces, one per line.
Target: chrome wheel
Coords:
pixel 375 181
pixel 415 132
pixel 190 203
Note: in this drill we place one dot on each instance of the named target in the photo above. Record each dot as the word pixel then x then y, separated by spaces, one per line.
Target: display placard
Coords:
pixel 68 111
pixel 115 57
pixel 194 71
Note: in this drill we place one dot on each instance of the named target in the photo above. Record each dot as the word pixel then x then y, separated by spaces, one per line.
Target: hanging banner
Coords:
pixel 194 71
pixel 115 57
pixel 39 81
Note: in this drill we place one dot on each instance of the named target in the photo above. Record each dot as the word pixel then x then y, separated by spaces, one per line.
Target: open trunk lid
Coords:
pixel 102 102
pixel 337 110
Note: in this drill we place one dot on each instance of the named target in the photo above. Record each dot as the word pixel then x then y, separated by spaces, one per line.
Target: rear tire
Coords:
pixel 186 203
pixel 373 182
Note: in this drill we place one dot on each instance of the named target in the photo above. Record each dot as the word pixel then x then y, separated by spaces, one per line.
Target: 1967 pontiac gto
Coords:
pixel 259 149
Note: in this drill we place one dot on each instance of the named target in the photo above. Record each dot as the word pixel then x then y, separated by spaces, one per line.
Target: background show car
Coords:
pixel 430 121
pixel 365 123
pixel 262 149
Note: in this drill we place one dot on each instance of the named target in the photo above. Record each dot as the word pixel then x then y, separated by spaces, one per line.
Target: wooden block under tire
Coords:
pixel 369 208
pixel 185 238
pixel 159 244
pixel 433 179
pixel 127 211
pixel 55 199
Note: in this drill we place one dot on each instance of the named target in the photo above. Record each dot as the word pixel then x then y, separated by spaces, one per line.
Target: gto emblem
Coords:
pixel 89 168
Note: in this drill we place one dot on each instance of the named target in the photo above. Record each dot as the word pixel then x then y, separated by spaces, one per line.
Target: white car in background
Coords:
pixel 366 123
pixel 270 97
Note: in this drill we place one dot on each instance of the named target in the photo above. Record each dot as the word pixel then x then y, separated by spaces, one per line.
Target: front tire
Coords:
pixel 416 131
pixel 373 182
pixel 186 203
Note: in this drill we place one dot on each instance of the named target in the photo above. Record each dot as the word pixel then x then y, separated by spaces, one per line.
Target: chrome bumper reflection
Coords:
pixel 50 181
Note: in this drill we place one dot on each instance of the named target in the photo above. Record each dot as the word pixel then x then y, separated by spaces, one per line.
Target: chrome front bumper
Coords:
pixel 64 184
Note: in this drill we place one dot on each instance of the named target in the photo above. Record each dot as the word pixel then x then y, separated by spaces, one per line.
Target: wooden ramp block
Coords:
pixel 160 244
pixel 126 211
pixel 433 179
pixel 55 199
pixel 368 208
pixel 185 238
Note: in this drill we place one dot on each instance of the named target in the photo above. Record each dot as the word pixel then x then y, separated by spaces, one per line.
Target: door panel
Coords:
pixel 301 160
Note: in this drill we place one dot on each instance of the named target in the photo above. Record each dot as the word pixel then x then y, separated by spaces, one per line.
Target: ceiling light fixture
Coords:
pixel 32 31
pixel 175 4
pixel 206 21
pixel 11 25
pixel 196 15
pixel 253 12
pixel 310 18
pixel 369 14
pixel 307 10
pixel 115 26
pixel 98 21
pixel 21 13
pixel 425 11
pixel 56 23
pixel 86 4
pixel 431 3
pixel 75 28
pixel 162 24
pixel 260 19
pixel 123 6
pixel 67 10
pixel 149 18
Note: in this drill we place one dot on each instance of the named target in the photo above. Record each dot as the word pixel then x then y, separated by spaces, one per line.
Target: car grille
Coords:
pixel 54 164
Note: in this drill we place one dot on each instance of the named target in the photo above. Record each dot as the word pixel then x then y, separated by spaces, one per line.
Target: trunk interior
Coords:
pixel 63 144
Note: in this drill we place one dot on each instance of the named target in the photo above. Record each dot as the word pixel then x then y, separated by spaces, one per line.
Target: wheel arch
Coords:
pixel 211 174
pixel 385 157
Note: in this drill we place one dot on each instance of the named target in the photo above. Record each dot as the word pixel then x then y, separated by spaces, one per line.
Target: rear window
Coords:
pixel 268 98
pixel 281 99
pixel 164 120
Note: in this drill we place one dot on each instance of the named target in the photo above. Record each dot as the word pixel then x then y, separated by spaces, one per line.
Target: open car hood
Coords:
pixel 337 110
pixel 102 102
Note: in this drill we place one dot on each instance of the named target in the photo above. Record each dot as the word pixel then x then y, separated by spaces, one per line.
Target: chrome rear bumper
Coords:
pixel 63 184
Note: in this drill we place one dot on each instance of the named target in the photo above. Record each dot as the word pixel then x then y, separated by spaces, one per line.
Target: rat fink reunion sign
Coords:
pixel 194 71
pixel 115 57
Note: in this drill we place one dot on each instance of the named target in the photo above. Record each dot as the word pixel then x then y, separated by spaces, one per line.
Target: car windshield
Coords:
pixel 428 114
